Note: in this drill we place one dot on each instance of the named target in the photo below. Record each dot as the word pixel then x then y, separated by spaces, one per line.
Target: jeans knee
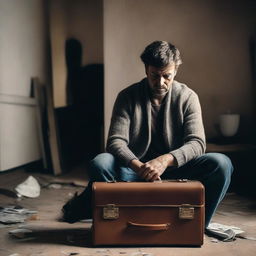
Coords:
pixel 101 164
pixel 221 163
pixel 102 160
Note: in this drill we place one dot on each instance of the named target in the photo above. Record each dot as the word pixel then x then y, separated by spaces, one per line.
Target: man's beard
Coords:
pixel 156 93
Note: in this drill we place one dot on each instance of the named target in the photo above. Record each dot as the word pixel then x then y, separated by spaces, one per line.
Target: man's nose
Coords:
pixel 160 81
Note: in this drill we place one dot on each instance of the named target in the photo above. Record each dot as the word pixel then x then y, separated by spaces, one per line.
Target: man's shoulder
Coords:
pixel 182 89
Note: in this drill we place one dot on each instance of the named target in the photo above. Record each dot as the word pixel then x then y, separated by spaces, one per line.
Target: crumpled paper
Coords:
pixel 14 214
pixel 223 232
pixel 29 188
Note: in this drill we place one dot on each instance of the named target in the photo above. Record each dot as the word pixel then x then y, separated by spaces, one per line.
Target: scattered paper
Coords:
pixel 11 219
pixel 223 232
pixel 20 232
pixel 5 225
pixel 29 188
pixel 247 237
pixel 14 214
pixel 55 186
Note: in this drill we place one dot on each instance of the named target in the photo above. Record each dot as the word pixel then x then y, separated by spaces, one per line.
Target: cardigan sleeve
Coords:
pixel 118 136
pixel 193 132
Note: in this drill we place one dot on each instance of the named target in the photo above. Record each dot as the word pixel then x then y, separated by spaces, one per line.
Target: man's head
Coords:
pixel 160 54
pixel 161 60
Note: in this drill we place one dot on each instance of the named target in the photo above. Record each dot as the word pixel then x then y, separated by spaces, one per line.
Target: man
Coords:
pixel 156 133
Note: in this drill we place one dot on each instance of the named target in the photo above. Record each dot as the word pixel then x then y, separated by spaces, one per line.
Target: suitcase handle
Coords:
pixel 164 226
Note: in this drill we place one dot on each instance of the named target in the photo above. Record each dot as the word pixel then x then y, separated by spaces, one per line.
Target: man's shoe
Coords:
pixel 75 209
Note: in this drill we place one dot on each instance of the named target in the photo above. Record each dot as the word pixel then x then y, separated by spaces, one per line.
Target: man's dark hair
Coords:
pixel 160 54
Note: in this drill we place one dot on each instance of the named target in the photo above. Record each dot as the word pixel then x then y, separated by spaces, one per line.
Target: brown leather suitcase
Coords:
pixel 148 213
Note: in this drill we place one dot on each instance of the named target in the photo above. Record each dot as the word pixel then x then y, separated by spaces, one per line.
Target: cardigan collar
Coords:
pixel 167 113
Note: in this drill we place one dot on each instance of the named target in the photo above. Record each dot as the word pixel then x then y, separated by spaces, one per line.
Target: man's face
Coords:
pixel 160 79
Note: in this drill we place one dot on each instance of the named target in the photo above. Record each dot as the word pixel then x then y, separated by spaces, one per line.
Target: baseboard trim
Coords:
pixel 17 100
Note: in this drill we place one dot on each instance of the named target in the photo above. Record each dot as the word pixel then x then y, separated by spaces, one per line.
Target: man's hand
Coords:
pixel 153 169
pixel 136 164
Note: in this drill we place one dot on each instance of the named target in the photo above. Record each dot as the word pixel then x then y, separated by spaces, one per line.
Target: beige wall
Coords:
pixel 80 19
pixel 58 35
pixel 214 41
pixel 23 54
pixel 23 51
pixel 85 22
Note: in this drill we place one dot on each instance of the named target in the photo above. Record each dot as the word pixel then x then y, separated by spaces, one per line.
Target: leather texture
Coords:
pixel 148 213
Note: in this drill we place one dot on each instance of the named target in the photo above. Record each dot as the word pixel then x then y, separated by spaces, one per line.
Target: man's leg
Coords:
pixel 103 167
pixel 214 170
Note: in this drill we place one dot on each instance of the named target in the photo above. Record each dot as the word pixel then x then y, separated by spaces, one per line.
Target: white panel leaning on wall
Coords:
pixel 19 138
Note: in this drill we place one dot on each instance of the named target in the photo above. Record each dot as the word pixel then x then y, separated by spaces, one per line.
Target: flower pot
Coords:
pixel 229 124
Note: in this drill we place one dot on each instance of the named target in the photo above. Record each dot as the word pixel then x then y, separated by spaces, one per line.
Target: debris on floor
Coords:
pixel 15 214
pixel 47 182
pixel 223 232
pixel 242 236
pixel 20 232
pixel 55 186
pixel 5 225
pixel 70 253
pixel 29 188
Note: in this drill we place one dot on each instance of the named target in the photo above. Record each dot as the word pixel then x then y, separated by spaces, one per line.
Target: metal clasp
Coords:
pixel 186 212
pixel 182 180
pixel 110 212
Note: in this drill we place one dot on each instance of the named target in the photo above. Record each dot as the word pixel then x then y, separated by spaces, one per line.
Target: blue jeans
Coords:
pixel 214 170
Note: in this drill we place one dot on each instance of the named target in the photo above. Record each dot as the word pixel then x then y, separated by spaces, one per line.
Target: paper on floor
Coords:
pixel 224 232
pixel 29 188
pixel 14 214
pixel 20 232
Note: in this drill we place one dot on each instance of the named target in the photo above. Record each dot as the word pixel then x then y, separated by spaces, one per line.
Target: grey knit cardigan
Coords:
pixel 130 129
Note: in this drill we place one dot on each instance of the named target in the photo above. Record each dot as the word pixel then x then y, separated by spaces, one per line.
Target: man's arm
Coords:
pixel 193 132
pixel 118 137
pixel 136 165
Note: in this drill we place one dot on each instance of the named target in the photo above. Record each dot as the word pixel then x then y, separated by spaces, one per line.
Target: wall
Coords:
pixel 22 45
pixel 58 35
pixel 85 22
pixel 213 37
pixel 80 19
pixel 23 55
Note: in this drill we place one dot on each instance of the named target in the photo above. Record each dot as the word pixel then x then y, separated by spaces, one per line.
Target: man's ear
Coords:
pixel 176 70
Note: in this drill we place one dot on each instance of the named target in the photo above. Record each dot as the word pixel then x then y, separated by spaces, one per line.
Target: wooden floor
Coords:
pixel 49 237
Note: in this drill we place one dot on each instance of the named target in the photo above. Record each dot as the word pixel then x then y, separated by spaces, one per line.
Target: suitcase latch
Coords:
pixel 186 212
pixel 182 180
pixel 110 212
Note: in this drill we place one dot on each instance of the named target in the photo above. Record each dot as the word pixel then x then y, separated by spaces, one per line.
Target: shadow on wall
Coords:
pixel 80 124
